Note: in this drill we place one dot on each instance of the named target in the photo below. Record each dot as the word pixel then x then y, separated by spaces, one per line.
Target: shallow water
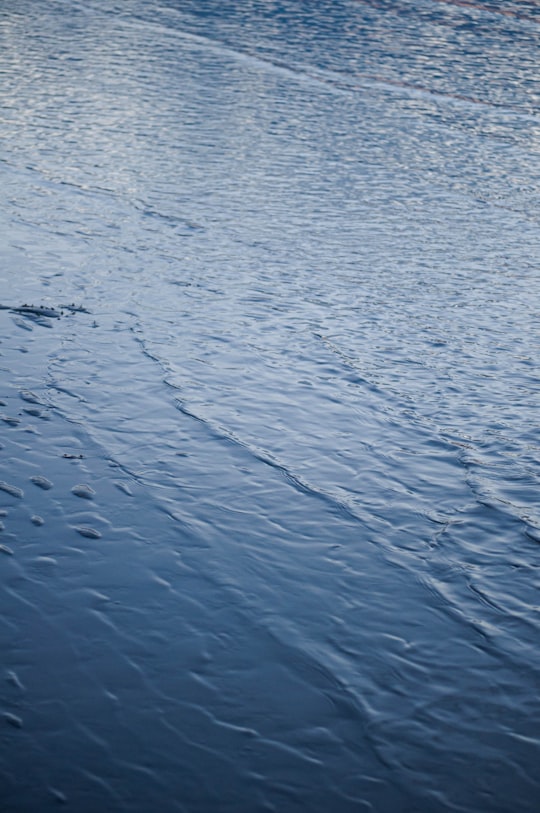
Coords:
pixel 280 550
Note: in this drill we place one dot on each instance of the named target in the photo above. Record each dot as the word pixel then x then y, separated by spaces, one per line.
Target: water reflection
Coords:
pixel 304 397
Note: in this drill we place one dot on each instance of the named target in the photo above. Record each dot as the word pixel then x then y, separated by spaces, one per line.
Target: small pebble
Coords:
pixel 41 481
pixel 84 491
pixel 90 533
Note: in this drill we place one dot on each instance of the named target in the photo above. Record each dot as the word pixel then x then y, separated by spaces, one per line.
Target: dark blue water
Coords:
pixel 292 255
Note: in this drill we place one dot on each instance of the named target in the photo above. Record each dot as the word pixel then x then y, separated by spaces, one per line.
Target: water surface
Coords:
pixel 295 251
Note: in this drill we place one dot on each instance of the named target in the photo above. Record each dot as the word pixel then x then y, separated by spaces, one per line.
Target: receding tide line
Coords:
pixel 329 499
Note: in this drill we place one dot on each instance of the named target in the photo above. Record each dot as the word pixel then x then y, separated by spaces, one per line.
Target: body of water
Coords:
pixel 289 255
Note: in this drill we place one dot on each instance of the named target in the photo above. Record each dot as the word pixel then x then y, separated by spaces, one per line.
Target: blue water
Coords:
pixel 300 242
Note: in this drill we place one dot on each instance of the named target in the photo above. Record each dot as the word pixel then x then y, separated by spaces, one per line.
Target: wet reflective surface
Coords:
pixel 269 433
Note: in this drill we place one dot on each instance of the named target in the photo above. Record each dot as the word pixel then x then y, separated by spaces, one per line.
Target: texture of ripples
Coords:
pixel 269 506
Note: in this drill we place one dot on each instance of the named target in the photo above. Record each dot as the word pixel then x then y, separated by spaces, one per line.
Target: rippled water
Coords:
pixel 300 377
